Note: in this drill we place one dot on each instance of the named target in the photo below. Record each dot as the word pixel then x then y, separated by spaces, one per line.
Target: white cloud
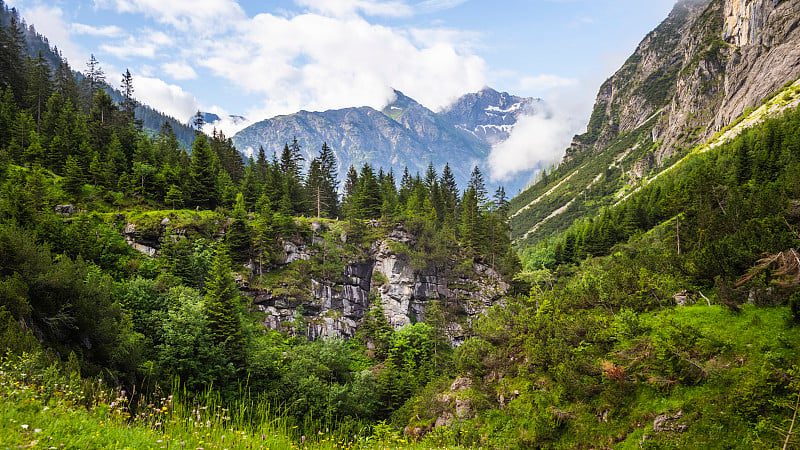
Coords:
pixel 49 21
pixel 203 16
pixel 146 46
pixel 340 62
pixel 430 6
pixel 179 71
pixel 107 31
pixel 540 140
pixel 167 98
pixel 543 83
pixel 345 8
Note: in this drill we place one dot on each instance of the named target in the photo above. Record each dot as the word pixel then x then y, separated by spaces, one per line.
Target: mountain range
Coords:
pixel 405 134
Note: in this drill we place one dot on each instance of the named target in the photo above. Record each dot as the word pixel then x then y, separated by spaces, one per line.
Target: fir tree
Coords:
pixel 202 173
pixel 128 102
pixel 223 308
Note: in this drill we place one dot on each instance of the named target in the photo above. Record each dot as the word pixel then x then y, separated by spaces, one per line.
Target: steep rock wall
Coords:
pixel 335 307
pixel 697 71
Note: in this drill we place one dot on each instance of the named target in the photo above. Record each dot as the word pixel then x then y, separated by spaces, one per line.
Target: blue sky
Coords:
pixel 264 58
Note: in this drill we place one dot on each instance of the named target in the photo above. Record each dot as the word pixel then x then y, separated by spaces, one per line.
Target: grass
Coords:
pixel 42 408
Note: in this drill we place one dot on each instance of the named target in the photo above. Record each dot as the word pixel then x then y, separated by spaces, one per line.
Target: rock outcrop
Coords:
pixel 334 308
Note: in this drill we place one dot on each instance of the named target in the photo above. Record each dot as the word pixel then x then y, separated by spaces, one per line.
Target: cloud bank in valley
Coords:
pixel 541 139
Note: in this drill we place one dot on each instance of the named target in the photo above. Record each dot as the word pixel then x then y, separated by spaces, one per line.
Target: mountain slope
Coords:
pixel 404 134
pixel 35 43
pixel 708 63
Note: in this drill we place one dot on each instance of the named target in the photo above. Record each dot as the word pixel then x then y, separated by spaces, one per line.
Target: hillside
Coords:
pixel 691 77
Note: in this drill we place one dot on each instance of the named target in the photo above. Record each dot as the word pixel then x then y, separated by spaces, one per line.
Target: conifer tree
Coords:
pixel 351 187
pixel 39 88
pixel 321 184
pixel 12 58
pixel 368 201
pixel 293 198
pixel 174 197
pixel 73 175
pixel 129 104
pixel 95 76
pixel 202 173
pixel 222 305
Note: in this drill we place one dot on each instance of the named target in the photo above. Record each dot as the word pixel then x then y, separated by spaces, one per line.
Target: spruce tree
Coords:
pixel 202 173
pixel 129 104
pixel 223 308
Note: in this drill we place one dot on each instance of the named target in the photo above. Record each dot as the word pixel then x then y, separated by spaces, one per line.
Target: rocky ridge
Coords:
pixel 404 134
pixel 335 307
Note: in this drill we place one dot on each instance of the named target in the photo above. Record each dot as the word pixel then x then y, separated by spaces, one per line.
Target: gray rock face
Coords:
pixel 334 308
pixel 65 210
pixel 697 72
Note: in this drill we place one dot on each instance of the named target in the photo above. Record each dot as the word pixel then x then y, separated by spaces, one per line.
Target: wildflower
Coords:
pixel 37 430
pixel 24 427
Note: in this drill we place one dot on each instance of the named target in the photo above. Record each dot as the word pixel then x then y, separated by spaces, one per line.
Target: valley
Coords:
pixel 358 282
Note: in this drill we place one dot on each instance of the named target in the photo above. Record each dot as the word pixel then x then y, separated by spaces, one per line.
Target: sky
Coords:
pixel 264 58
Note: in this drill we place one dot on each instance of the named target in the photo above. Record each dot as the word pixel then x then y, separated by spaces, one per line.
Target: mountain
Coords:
pixel 404 134
pixel 490 115
pixel 213 119
pixel 710 63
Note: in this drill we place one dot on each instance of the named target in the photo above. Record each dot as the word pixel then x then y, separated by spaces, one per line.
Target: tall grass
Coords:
pixel 44 405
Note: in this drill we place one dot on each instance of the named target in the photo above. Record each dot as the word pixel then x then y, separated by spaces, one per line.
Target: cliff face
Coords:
pixel 302 299
pixel 764 52
pixel 697 71
pixel 704 67
pixel 334 307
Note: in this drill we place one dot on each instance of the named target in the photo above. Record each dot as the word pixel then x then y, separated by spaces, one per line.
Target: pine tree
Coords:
pixel 39 88
pixel 223 308
pixel 202 173
pixel 290 166
pixel 368 201
pixel 351 187
pixel 129 104
pixel 174 197
pixel 94 76
pixel 73 175
pixel 449 193
pixel 321 184
pixel 12 58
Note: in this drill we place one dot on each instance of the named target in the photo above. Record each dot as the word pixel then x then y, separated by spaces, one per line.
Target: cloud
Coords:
pixel 146 46
pixel 544 83
pixel 179 71
pixel 339 62
pixel 49 21
pixel 431 6
pixel 167 98
pixel 107 31
pixel 207 17
pixel 539 140
pixel 350 8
